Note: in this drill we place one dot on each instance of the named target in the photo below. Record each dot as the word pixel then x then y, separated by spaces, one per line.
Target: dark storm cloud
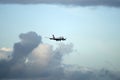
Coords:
pixel 114 3
pixel 34 60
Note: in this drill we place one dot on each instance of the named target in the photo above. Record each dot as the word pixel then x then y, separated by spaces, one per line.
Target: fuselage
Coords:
pixel 58 39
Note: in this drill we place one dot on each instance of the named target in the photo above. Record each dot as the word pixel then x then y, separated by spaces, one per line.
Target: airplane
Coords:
pixel 58 38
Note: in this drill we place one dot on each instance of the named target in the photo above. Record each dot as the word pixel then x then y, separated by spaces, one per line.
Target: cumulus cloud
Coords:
pixel 21 50
pixel 113 3
pixel 34 60
pixel 40 55
pixel 29 41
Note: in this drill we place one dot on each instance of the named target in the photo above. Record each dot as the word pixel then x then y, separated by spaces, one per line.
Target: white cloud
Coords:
pixel 4 49
pixel 5 53
pixel 41 55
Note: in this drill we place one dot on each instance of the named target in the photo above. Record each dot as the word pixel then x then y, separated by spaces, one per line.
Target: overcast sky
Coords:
pixel 92 28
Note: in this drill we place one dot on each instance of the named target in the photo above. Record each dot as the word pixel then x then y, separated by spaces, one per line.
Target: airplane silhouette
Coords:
pixel 58 38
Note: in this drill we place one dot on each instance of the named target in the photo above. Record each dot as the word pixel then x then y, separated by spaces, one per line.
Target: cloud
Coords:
pixel 21 50
pixel 29 41
pixel 47 62
pixel 34 60
pixel 5 49
pixel 5 53
pixel 41 55
pixel 93 75
pixel 75 72
pixel 112 3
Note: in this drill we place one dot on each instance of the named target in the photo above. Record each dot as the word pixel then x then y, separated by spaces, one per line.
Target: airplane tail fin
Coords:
pixel 53 36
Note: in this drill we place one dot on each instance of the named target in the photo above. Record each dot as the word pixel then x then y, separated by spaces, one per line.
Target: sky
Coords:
pixel 91 28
